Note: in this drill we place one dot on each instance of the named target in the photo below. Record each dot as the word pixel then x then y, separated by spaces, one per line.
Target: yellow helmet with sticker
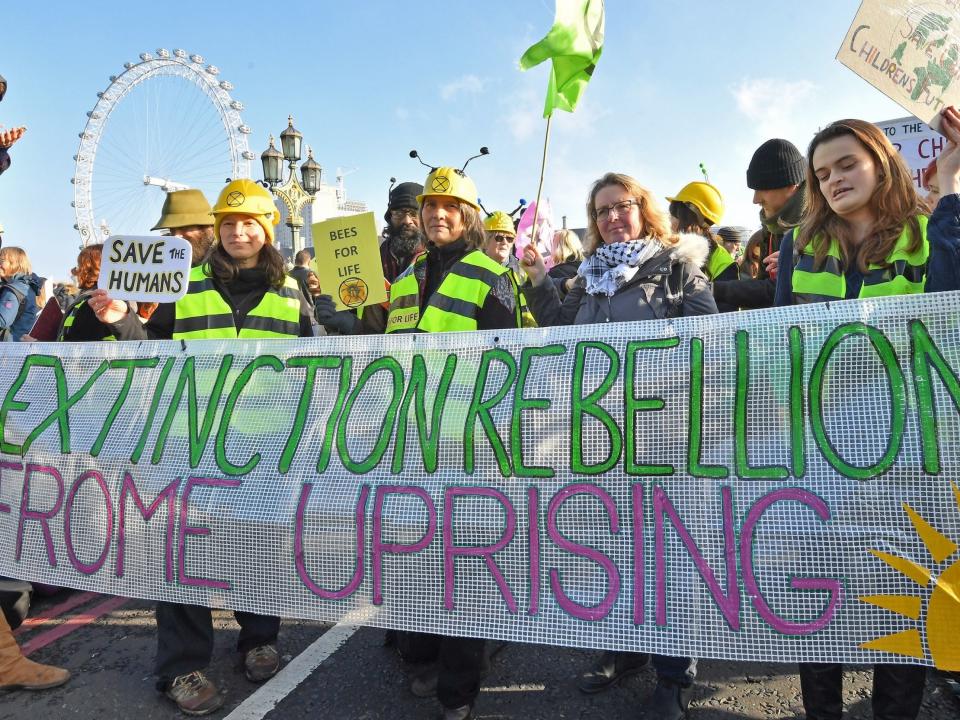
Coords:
pixel 450 182
pixel 500 222
pixel 246 197
pixel 703 196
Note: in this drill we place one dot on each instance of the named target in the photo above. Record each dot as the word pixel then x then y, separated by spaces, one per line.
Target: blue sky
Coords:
pixel 679 83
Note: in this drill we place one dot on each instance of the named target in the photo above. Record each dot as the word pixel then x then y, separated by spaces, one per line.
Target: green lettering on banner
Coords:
pixel 360 467
pixel 312 364
pixel 220 449
pixel 130 366
pixel 416 389
pixel 65 401
pixel 924 354
pixel 632 405
pixel 520 403
pixel 481 408
pixel 742 456
pixel 197 439
pixel 695 418
pixel 898 399
pixel 10 404
pixel 343 389
pixel 798 438
pixel 590 405
pixel 152 413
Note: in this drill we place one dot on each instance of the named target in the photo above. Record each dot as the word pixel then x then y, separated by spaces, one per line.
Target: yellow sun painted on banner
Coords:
pixel 942 621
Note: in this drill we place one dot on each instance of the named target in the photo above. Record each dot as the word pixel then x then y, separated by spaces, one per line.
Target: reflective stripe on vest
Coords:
pixel 203 314
pixel 903 273
pixel 719 260
pixel 71 318
pixel 404 312
pixel 456 304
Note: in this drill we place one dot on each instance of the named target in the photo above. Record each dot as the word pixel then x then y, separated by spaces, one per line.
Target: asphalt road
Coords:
pixel 109 648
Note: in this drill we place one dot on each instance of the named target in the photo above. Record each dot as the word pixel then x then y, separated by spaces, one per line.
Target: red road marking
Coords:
pixel 52 613
pixel 72 623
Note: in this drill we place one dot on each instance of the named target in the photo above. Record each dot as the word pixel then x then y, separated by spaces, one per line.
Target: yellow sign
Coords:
pixel 347 255
pixel 910 51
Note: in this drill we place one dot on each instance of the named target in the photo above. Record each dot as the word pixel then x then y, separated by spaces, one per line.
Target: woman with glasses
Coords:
pixel 635 269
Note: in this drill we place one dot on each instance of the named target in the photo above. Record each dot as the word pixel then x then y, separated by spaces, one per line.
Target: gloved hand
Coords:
pixel 325 310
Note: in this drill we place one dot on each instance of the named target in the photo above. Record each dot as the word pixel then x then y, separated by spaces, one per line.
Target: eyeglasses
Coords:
pixel 619 209
pixel 403 213
pixel 503 238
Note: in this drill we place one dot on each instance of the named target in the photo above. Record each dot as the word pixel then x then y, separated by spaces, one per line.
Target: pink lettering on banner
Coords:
pixel 298 552
pixel 533 534
pixel 728 602
pixel 380 547
pixel 830 585
pixel 451 551
pixel 88 569
pixel 603 608
pixel 42 517
pixel 639 579
pixel 168 495
pixel 185 530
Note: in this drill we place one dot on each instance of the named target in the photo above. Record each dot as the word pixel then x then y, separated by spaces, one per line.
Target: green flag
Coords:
pixel 574 43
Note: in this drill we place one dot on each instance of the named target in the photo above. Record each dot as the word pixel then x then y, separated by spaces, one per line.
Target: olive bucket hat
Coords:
pixel 183 208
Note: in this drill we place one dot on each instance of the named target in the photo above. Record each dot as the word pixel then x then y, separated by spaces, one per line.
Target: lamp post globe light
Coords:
pixel 294 193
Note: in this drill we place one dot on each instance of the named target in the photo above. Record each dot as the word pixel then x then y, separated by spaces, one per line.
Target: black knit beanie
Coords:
pixel 403 196
pixel 775 164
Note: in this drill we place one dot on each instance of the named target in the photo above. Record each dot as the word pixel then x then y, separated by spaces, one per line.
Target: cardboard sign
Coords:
pixel 908 50
pixel 916 141
pixel 347 253
pixel 145 269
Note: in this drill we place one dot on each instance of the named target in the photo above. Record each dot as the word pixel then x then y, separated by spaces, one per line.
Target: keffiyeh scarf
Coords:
pixel 613 265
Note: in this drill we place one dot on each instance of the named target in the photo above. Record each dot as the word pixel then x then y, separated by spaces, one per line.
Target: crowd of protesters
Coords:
pixel 843 222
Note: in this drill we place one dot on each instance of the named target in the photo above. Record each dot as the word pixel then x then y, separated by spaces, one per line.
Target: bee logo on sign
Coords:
pixel 353 292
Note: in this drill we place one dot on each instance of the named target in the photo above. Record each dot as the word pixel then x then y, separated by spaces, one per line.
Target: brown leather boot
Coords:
pixel 16 672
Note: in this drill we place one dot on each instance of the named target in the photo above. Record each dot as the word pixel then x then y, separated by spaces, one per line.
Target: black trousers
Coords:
pixel 185 637
pixel 460 662
pixel 897 691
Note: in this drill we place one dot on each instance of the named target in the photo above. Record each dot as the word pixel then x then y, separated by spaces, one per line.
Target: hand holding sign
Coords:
pixel 147 269
pixel 948 162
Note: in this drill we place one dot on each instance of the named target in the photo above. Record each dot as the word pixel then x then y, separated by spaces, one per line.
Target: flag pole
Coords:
pixel 543 168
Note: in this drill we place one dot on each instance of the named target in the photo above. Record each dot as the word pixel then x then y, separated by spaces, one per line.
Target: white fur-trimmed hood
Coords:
pixel 691 248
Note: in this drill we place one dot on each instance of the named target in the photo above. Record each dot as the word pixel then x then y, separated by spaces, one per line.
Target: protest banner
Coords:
pixel 916 142
pixel 146 269
pixel 347 256
pixel 909 51
pixel 776 485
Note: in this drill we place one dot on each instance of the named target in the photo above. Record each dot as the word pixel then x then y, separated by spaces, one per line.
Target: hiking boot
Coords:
pixel 261 663
pixel 424 685
pixel 611 668
pixel 194 694
pixel 669 701
pixel 460 713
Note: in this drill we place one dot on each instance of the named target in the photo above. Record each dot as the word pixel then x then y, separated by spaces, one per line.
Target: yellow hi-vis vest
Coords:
pixel 456 303
pixel 203 314
pixel 71 318
pixel 903 272
pixel 720 259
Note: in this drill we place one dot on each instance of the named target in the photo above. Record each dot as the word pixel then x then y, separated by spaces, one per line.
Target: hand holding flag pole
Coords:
pixel 573 45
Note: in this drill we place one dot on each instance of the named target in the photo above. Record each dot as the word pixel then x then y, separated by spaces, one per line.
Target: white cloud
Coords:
pixel 466 84
pixel 772 104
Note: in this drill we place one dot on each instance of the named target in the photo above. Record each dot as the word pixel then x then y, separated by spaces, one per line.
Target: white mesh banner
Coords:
pixel 770 485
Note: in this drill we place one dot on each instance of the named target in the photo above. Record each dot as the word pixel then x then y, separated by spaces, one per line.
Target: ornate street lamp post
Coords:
pixel 294 194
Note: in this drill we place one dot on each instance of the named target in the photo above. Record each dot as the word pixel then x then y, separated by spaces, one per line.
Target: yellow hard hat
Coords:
pixel 499 222
pixel 450 182
pixel 703 196
pixel 246 197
